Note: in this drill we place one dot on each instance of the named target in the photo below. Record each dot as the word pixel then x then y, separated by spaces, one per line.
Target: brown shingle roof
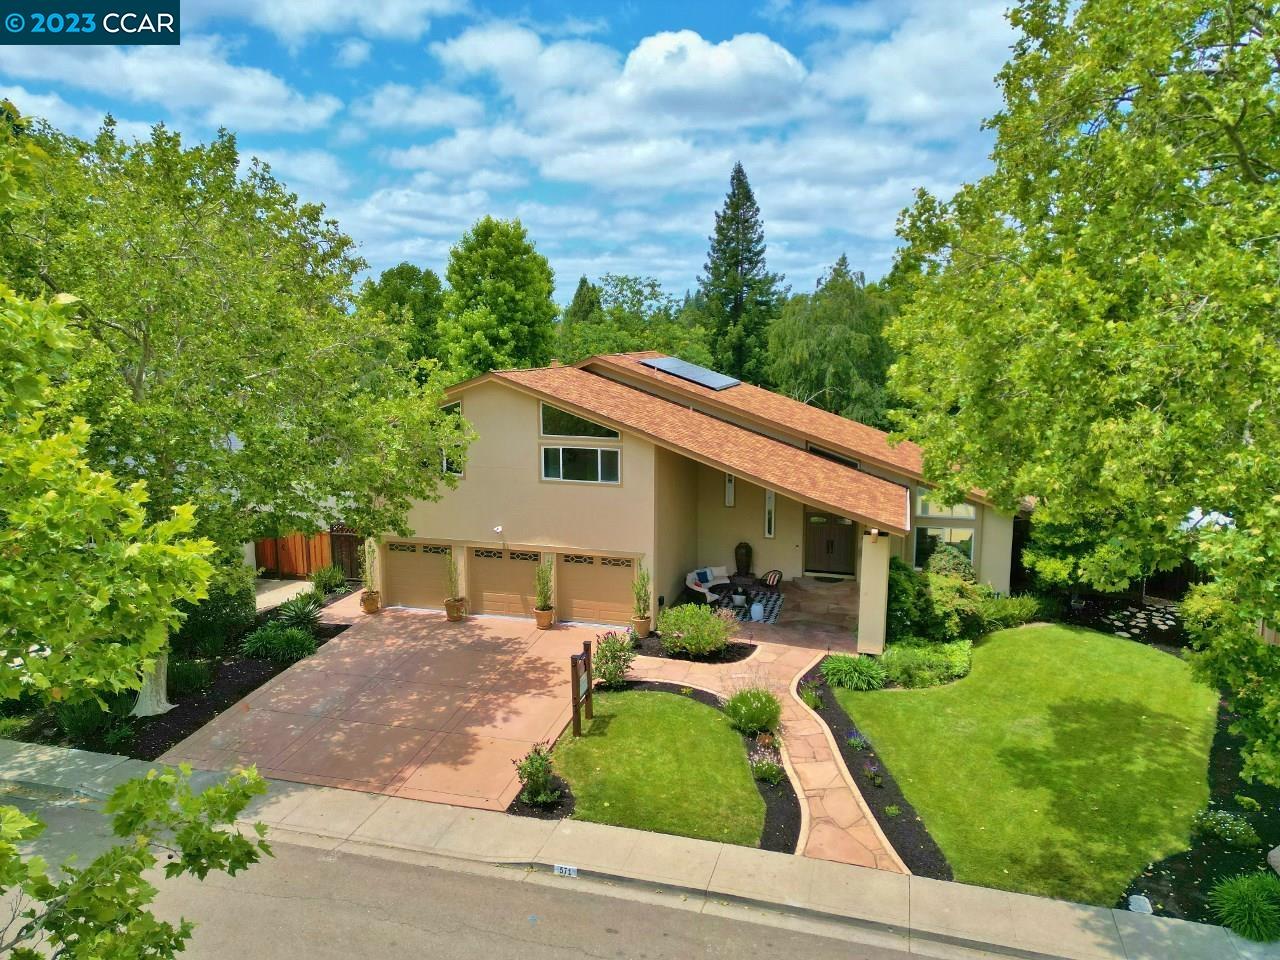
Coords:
pixel 825 429
pixel 763 460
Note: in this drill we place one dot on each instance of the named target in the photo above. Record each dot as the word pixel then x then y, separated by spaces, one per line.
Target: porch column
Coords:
pixel 873 592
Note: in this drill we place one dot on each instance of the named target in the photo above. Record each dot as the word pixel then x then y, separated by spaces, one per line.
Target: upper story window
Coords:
pixel 582 464
pixel 447 463
pixel 928 507
pixel 562 423
pixel 834 457
pixel 730 494
pixel 770 514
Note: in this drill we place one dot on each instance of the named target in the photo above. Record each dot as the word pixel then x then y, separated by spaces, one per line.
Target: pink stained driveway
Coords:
pixel 407 704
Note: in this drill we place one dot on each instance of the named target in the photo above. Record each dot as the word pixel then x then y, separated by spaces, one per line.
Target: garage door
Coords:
pixel 594 589
pixel 417 574
pixel 502 581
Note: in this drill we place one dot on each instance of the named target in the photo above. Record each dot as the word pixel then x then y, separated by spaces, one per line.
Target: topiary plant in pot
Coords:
pixel 543 611
pixel 640 620
pixel 455 605
pixel 371 599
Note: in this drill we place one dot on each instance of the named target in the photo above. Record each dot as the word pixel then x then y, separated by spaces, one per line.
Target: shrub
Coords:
pixel 766 768
pixel 451 571
pixel 88 721
pixel 948 561
pixel 189 676
pixel 277 642
pixel 221 618
pixel 1247 803
pixel 640 593
pixel 857 741
pixel 811 695
pixel 613 657
pixel 932 607
pixel 958 607
pixel 301 612
pixel 329 579
pixel 753 709
pixel 892 810
pixel 854 673
pixel 1249 904
pixel 542 585
pixel 998 613
pixel 1231 828
pixel 534 772
pixel 929 665
pixel 696 630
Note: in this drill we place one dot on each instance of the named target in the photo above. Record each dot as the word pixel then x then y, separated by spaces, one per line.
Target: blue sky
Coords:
pixel 609 130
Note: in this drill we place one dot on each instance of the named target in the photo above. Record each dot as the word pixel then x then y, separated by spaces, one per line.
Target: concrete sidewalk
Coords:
pixel 915 913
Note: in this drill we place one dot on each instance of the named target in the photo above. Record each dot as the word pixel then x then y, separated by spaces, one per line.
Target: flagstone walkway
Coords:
pixel 836 824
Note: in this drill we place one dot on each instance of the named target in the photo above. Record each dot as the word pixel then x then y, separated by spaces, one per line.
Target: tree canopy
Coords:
pixel 498 312
pixel 221 362
pixel 629 314
pixel 828 347
pixel 1094 323
pixel 739 296
pixel 408 295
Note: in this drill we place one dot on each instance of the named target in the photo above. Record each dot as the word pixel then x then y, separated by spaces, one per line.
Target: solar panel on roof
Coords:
pixel 691 372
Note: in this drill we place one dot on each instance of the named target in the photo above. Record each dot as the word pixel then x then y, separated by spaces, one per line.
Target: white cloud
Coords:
pixel 295 20
pixel 193 81
pixel 70 118
pixel 353 52
pixel 313 174
pixel 397 106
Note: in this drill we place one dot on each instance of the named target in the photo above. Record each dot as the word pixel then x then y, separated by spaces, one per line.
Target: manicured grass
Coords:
pixel 662 762
pixel 1062 765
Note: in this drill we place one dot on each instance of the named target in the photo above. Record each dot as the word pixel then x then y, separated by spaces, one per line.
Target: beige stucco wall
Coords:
pixel 502 486
pixel 722 528
pixel 675 524
pixel 873 590
pixel 995 548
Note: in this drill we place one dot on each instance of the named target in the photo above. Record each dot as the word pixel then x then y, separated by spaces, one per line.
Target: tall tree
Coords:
pixel 631 313
pixel 584 306
pixel 221 364
pixel 498 311
pixel 408 295
pixel 740 296
pixel 828 347
pixel 1094 323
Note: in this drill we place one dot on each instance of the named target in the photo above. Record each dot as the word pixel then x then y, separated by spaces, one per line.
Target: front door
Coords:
pixel 828 544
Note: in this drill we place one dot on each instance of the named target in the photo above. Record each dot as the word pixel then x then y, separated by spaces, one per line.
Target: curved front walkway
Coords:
pixel 836 822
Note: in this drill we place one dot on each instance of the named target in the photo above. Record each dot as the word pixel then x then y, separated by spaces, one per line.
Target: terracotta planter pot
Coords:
pixel 545 618
pixel 455 609
pixel 371 601
pixel 643 626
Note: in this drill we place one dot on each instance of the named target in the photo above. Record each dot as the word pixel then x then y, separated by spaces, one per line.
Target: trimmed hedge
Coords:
pixel 929 664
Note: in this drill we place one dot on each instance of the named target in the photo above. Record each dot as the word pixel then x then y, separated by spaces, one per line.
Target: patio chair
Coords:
pixel 769 582
pixel 708 582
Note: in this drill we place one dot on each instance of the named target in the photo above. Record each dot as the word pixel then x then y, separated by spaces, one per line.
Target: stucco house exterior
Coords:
pixel 616 462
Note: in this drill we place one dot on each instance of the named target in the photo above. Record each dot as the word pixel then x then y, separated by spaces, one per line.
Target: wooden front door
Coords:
pixel 829 544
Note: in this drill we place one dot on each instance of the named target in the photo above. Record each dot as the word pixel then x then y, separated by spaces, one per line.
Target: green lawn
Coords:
pixel 1062 765
pixel 662 762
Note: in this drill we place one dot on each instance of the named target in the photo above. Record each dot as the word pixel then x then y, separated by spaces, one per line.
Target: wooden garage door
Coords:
pixel 417 574
pixel 593 588
pixel 502 581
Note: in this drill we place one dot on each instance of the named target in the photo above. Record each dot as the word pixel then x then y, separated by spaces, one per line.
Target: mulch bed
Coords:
pixel 1178 886
pixel 235 679
pixel 781 803
pixel 907 831
pixel 1154 624
pixel 735 652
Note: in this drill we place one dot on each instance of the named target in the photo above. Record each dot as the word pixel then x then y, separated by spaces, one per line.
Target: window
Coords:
pixel 929 539
pixel 770 514
pixel 925 507
pixel 834 457
pixel 728 490
pixel 581 464
pixel 449 464
pixel 562 423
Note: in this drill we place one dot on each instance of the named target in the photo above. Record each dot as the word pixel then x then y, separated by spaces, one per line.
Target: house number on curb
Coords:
pixel 563 871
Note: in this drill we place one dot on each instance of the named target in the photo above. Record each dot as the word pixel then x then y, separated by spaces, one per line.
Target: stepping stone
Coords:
pixel 1139 904
pixel 1273 858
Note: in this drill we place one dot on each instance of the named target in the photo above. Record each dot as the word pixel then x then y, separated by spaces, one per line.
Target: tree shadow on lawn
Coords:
pixel 1113 768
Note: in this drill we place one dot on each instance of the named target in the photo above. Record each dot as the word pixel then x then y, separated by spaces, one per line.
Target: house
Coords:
pixel 640 458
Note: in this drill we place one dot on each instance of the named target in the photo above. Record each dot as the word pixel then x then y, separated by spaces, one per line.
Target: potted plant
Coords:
pixel 543 611
pixel 640 621
pixel 371 599
pixel 454 605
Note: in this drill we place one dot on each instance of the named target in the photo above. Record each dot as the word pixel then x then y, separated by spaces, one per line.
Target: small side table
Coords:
pixel 742 581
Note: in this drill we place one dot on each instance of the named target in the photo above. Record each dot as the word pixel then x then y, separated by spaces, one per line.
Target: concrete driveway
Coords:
pixel 404 703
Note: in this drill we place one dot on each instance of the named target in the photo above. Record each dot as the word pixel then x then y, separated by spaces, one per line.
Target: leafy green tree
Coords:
pixel 498 312
pixel 221 363
pixel 408 295
pixel 633 314
pixel 828 347
pixel 1094 323
pixel 739 294
pixel 584 306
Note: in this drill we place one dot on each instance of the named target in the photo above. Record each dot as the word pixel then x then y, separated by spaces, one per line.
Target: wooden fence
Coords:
pixel 298 555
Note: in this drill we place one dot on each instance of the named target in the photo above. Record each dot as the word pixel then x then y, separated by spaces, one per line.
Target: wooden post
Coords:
pixel 573 694
pixel 586 663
